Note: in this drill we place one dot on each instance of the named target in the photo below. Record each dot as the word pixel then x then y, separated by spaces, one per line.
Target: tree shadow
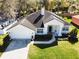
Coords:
pixel 43 46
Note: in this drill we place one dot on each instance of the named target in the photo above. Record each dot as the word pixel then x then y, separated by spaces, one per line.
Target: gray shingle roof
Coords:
pixel 25 23
pixel 28 21
pixel 46 18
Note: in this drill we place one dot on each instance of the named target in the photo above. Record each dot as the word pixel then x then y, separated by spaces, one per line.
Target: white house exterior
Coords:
pixel 22 29
pixel 38 23
pixel 56 26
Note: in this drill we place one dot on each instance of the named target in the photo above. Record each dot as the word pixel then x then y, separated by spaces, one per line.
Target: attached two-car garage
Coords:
pixel 20 32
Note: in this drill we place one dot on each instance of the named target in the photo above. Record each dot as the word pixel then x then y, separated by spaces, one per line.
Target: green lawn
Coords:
pixel 64 50
pixel 1 42
pixel 67 20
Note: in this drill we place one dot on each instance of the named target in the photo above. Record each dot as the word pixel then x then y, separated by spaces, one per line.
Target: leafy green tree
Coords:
pixel 73 36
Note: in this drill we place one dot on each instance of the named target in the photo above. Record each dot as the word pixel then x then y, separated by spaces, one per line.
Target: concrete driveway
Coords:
pixel 18 49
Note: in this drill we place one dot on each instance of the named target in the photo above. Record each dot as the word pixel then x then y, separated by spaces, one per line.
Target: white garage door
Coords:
pixel 21 32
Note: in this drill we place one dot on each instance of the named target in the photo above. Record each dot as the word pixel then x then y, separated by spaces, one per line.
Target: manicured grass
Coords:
pixel 67 20
pixel 64 50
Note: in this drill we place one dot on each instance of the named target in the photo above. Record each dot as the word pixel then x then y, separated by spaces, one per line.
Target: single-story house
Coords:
pixel 75 20
pixel 38 23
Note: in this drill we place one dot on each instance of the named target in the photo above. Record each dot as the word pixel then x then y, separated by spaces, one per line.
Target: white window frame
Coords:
pixel 40 30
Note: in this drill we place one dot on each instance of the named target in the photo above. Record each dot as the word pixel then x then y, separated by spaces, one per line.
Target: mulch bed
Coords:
pixel 43 37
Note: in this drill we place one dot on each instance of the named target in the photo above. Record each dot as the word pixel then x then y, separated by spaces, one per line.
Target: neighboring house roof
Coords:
pixel 35 20
pixel 76 16
pixel 75 20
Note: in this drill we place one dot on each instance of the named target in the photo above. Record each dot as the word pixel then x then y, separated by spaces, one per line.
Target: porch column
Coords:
pixel 60 31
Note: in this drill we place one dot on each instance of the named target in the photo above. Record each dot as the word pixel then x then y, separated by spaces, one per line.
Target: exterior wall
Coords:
pixel 56 26
pixel 21 32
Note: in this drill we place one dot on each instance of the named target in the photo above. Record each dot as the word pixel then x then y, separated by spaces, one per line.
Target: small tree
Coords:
pixel 73 36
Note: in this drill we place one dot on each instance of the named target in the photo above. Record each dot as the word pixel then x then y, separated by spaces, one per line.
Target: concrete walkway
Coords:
pixel 18 49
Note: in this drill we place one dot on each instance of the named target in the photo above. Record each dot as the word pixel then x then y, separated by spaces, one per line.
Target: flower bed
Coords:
pixel 43 37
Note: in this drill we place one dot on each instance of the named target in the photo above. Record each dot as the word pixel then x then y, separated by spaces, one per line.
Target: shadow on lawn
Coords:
pixel 43 46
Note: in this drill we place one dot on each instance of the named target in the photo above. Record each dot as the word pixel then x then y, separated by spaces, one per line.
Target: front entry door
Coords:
pixel 49 29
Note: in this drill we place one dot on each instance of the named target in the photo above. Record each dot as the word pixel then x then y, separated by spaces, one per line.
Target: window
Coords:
pixel 40 30
pixel 65 29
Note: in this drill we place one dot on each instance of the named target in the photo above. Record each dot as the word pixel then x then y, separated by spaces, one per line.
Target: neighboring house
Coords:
pixel 38 23
pixel 4 25
pixel 75 20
